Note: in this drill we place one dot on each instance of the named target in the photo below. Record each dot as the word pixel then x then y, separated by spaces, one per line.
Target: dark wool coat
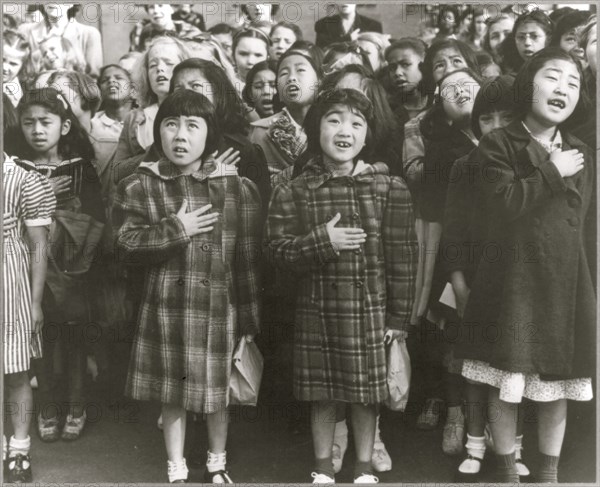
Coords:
pixel 532 307
pixel 329 29
pixel 345 299
pixel 465 218
pixel 200 293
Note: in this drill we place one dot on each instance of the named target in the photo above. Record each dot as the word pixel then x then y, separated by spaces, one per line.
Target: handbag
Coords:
pixel 398 376
pixel 246 374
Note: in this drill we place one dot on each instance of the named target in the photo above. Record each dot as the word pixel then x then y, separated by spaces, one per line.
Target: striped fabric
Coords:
pixel 200 293
pixel 28 197
pixel 345 300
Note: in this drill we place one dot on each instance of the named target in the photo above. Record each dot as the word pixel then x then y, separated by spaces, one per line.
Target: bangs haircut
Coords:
pixel 415 44
pixel 495 95
pixel 188 103
pixel 293 52
pixel 257 68
pixel 567 23
pixel 525 92
pixel 356 102
pixel 538 17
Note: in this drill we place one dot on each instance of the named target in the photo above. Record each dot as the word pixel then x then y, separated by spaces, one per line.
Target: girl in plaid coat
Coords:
pixel 195 230
pixel 347 229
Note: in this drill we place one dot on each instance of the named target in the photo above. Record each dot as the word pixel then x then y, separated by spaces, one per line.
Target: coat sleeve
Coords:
pixel 400 252
pixel 128 154
pixel 413 152
pixel 508 194
pixel 139 241
pixel 289 247
pixel 247 278
pixel 457 217
pixel 93 51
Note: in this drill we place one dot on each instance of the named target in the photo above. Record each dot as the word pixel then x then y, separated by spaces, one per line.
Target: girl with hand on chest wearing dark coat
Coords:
pixel 531 309
pixel 347 228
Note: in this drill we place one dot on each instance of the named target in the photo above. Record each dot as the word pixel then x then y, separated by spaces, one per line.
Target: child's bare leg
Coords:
pixel 174 420
pixel 552 421
pixel 363 426
pixel 19 396
pixel 217 425
pixel 323 416
pixel 503 423
pixel 476 395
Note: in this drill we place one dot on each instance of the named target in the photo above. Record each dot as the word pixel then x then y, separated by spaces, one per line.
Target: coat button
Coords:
pixel 355 216
pixel 206 282
pixel 574 203
pixel 359 284
pixel 573 221
pixel 205 247
pixel 180 281
pixel 334 285
pixel 358 251
pixel 536 221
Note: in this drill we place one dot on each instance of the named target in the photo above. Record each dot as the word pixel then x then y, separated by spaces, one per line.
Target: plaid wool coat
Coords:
pixel 200 293
pixel 345 299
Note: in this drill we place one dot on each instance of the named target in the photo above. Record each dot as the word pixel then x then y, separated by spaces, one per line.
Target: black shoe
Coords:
pixel 19 470
pixel 210 477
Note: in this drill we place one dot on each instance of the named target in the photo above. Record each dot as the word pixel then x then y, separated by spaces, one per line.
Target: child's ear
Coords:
pixel 66 127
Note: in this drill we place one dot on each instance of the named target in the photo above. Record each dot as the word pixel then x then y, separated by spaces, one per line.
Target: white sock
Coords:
pixel 19 446
pixel 476 448
pixel 4 447
pixel 216 461
pixel 177 470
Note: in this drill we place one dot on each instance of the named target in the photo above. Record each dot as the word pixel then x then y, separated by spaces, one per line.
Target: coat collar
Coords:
pixel 517 131
pixel 167 171
pixel 316 174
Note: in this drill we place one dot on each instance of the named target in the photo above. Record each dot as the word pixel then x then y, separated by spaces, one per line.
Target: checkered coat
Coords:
pixel 345 299
pixel 200 293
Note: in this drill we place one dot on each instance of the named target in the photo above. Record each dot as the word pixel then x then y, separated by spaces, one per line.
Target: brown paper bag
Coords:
pixel 246 374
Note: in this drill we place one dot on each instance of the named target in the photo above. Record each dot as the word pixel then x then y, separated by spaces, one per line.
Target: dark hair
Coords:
pixel 443 11
pixel 314 51
pixel 413 43
pixel 524 89
pixel 228 105
pixel 257 68
pixel 495 95
pixel 353 99
pixel 486 38
pixel 188 103
pixel 221 28
pixel 252 33
pixel 567 23
pixel 10 119
pixel 293 52
pixel 351 47
pixel 463 49
pixel 116 66
pixel 384 126
pixel 85 86
pixel 76 143
pixel 70 13
pixel 288 25
pixel 537 16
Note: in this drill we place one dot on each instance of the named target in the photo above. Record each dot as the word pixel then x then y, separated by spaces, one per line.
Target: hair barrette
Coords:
pixel 59 96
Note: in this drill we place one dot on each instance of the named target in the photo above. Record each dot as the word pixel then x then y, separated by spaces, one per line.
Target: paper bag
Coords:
pixel 246 374
pixel 398 376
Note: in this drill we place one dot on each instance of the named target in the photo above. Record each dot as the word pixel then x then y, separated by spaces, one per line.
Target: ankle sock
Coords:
pixel 522 469
pixel 362 467
pixel 506 469
pixel 548 472
pixel 325 466
pixel 16 447
pixel 476 448
pixel 177 470
pixel 216 461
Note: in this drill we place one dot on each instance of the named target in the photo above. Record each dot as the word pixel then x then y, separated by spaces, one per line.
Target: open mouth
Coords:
pixel 161 79
pixel 462 100
pixel 180 150
pixel 343 145
pixel 560 104
pixel 528 53
pixel 292 91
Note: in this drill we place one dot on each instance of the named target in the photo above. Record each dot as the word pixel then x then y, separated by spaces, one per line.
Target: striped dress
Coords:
pixel 28 197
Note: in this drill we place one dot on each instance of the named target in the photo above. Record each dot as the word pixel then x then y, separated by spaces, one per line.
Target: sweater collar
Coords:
pixel 167 171
pixel 316 174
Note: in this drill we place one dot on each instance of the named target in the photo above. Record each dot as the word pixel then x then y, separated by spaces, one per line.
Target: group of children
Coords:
pixel 340 190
